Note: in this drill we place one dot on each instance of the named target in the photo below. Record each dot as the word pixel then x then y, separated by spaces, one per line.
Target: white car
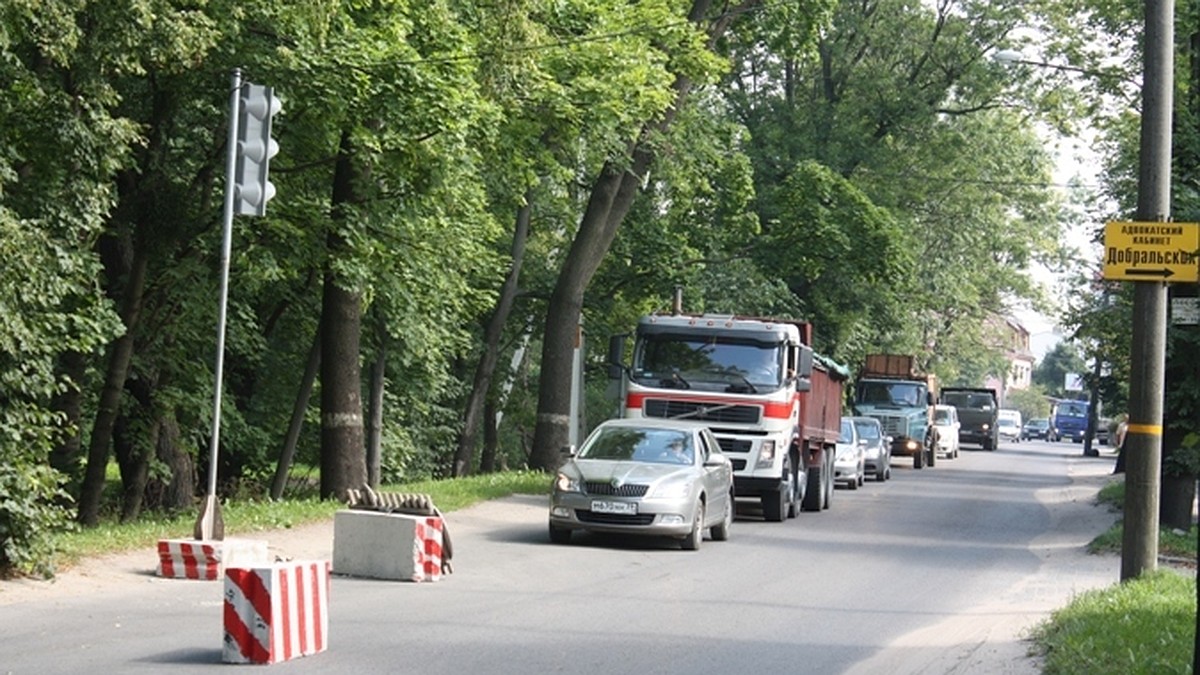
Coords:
pixel 850 462
pixel 1008 429
pixel 645 476
pixel 945 423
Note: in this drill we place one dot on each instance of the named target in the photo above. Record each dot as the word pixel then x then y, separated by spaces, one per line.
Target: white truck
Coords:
pixel 774 406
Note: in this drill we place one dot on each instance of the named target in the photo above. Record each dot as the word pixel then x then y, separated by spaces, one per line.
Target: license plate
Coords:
pixel 621 508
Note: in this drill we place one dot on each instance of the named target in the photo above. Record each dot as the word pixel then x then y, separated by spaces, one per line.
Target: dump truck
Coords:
pixel 891 389
pixel 774 405
pixel 978 414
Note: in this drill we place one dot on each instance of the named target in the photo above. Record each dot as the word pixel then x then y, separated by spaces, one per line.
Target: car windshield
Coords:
pixel 867 429
pixel 941 416
pixel 1039 424
pixel 655 446
pixel 1007 423
pixel 847 434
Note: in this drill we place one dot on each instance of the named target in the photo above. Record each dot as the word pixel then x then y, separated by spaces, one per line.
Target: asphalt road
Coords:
pixel 940 570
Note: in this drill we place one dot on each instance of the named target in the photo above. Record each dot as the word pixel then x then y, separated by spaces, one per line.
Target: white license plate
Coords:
pixel 622 508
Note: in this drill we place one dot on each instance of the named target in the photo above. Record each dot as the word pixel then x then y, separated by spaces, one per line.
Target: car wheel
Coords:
pixel 852 484
pixel 720 531
pixel 692 541
pixel 560 535
pixel 919 460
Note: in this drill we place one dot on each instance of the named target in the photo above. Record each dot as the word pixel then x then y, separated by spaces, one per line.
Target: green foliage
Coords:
pixel 1030 402
pixel 1050 373
pixel 30 517
pixel 1144 625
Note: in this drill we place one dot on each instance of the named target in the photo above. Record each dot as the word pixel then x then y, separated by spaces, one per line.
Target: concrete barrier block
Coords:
pixel 207 559
pixel 276 612
pixel 387 545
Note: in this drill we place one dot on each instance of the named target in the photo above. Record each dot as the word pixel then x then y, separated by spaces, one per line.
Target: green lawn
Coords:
pixel 1145 625
pixel 248 516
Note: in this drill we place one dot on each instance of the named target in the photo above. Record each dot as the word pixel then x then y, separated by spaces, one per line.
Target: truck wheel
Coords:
pixel 793 489
pixel 932 458
pixel 814 493
pixel 919 460
pixel 828 479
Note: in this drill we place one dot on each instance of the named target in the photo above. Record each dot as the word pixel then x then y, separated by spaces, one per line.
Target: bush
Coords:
pixel 30 517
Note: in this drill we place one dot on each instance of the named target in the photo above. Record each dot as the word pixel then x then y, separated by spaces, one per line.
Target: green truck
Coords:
pixel 978 413
pixel 891 389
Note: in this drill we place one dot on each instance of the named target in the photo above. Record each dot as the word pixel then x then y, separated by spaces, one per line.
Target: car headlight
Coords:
pixel 766 454
pixel 671 489
pixel 566 483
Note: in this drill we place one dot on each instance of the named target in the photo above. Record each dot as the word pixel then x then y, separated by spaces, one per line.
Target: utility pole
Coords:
pixel 1143 445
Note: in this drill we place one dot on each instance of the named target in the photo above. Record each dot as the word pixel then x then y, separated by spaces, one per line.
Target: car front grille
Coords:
pixel 607 489
pixel 613 518
pixel 704 412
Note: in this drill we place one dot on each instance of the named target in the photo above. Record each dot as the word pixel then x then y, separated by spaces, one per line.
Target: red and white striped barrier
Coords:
pixel 387 545
pixel 427 548
pixel 207 559
pixel 276 613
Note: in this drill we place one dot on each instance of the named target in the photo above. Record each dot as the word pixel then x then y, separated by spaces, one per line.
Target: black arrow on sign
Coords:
pixel 1164 273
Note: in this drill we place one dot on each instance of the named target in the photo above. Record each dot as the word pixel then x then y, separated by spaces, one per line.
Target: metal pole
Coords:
pixel 209 525
pixel 1143 445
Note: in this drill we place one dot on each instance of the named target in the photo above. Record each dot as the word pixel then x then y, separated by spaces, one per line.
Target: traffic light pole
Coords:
pixel 210 525
pixel 1143 444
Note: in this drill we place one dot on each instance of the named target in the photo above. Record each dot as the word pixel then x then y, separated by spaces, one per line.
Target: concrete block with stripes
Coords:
pixel 276 612
pixel 393 546
pixel 207 559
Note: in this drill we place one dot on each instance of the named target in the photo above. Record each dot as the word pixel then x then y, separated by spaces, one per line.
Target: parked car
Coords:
pixel 1039 427
pixel 849 463
pixel 877 448
pixel 946 425
pixel 1009 429
pixel 1103 425
pixel 645 476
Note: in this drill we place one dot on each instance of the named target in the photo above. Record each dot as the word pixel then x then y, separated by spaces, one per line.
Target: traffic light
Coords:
pixel 255 148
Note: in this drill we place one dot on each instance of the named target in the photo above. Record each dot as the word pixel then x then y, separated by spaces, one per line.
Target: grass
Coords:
pixel 245 516
pixel 1144 625
pixel 1171 543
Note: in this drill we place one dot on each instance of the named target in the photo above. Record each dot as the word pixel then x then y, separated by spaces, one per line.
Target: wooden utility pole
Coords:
pixel 1143 444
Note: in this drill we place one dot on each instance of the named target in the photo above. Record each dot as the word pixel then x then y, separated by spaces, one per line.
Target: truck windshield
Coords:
pixel 966 399
pixel 1072 409
pixel 708 360
pixel 891 393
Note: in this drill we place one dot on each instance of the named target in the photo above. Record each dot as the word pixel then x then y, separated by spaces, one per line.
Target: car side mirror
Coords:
pixel 567 451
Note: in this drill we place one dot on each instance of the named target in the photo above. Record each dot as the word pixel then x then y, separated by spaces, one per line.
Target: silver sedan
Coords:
pixel 645 476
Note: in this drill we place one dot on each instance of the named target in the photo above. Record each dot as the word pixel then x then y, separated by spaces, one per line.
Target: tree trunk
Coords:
pixel 491 438
pixel 612 195
pixel 288 452
pixel 66 454
pixel 179 492
pixel 375 437
pixel 480 388
pixel 343 465
pixel 109 405
pixel 133 464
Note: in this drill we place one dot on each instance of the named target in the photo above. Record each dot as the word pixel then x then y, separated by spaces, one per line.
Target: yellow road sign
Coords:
pixel 1152 252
